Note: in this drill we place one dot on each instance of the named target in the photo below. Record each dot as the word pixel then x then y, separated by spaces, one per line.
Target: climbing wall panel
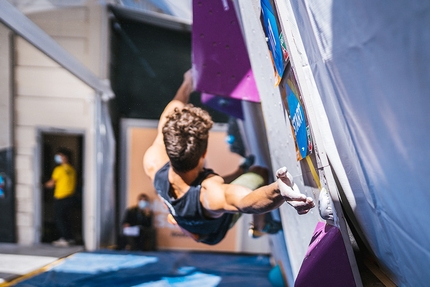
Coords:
pixel 220 61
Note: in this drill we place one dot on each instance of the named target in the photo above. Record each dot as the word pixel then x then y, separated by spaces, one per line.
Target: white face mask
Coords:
pixel 143 204
pixel 58 159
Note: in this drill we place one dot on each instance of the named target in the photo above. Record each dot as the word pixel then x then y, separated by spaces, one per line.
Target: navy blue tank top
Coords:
pixel 188 211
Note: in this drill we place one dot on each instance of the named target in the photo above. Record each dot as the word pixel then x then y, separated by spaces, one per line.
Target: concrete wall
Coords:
pixel 48 96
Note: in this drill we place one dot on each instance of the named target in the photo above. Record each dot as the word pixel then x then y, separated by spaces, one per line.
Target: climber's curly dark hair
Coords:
pixel 186 135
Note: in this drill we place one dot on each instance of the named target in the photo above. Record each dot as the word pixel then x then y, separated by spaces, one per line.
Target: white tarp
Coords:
pixel 371 61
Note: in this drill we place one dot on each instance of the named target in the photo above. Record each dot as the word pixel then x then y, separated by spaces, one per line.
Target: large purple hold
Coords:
pixel 326 262
pixel 220 60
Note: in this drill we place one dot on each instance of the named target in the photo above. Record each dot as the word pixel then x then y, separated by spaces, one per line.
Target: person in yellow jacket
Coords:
pixel 64 180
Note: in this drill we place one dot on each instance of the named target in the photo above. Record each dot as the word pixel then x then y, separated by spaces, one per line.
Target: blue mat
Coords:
pixel 156 269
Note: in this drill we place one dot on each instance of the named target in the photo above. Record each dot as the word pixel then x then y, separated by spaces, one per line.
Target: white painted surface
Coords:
pixel 23 264
pixel 48 96
pixel 297 229
pixel 5 90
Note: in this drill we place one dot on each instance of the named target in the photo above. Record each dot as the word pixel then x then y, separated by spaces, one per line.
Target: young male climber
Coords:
pixel 203 205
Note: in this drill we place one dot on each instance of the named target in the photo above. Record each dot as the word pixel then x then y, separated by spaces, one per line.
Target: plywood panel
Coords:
pixel 75 14
pixel 97 35
pixel 24 219
pixel 5 89
pixel 25 235
pixel 57 82
pixel 219 156
pixel 46 24
pixel 78 47
pixel 30 56
pixel 72 29
pixel 25 137
pixel 23 162
pixel 56 120
pixel 25 176
pixel 78 30
pixel 47 112
pixel 71 21
pixel 5 127
pixel 140 139
pixel 79 13
pixel 40 105
pixel 23 191
pixel 24 150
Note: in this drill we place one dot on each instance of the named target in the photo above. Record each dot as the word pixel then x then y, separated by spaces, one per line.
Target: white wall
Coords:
pixel 48 96
pixel 297 229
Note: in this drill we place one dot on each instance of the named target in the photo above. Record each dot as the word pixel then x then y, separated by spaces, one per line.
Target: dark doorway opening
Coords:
pixel 51 142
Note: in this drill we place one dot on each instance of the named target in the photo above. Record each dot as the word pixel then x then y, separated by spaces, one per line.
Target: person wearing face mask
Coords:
pixel 138 232
pixel 63 179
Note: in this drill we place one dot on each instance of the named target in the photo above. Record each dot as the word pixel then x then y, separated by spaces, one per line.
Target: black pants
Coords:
pixel 63 210
pixel 146 241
